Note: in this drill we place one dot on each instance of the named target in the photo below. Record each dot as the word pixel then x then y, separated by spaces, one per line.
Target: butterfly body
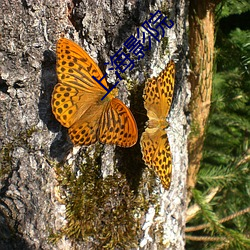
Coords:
pixel 77 104
pixel 158 93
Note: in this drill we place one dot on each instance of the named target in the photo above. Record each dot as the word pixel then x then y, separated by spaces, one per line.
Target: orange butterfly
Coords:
pixel 77 104
pixel 158 93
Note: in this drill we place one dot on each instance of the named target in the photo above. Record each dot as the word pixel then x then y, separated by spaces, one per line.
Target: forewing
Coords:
pixel 158 92
pixel 76 91
pixel 76 68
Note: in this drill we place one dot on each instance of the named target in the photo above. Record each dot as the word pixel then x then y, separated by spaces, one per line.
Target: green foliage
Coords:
pixel 226 153
pixel 207 211
pixel 230 7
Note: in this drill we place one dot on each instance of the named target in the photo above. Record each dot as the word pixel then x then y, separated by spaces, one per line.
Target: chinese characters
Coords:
pixel 120 62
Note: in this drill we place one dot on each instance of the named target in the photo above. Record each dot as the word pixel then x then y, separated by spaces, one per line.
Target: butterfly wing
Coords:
pixel 117 125
pixel 158 93
pixel 76 68
pixel 156 154
pixel 77 104
pixel 76 90
pixel 85 130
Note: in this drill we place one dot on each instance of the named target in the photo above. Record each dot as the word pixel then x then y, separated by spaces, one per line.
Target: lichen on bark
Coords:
pixel 33 144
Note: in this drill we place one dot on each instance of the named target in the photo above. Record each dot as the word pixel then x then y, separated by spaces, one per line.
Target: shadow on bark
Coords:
pixel 61 145
pixel 9 239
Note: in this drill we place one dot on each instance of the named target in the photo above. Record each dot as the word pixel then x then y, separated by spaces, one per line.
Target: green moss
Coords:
pixel 165 8
pixel 164 45
pixel 105 212
pixel 5 160
pixel 195 129
pixel 28 133
pixel 19 140
pixel 131 84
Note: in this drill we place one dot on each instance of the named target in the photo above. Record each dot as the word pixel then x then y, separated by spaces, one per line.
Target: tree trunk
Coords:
pixel 201 40
pixel 54 195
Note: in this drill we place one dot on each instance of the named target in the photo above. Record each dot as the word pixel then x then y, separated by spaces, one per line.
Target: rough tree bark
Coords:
pixel 40 169
pixel 201 40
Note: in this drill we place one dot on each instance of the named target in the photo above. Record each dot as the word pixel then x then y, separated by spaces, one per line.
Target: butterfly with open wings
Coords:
pixel 77 105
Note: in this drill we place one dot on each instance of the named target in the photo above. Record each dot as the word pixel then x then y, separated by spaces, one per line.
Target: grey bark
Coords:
pixel 32 141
